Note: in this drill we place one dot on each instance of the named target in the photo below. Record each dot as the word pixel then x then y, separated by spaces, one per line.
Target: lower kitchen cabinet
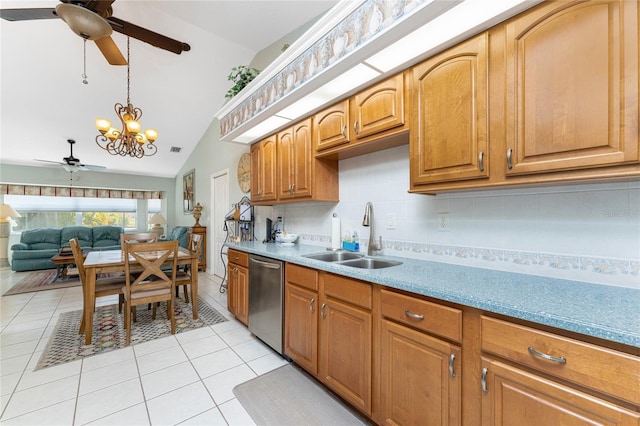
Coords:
pixel 533 377
pixel 420 374
pixel 418 379
pixel 514 396
pixel 238 285
pixel 301 316
pixel 345 351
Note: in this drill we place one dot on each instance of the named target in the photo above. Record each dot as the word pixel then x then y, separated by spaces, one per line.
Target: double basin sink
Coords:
pixel 355 260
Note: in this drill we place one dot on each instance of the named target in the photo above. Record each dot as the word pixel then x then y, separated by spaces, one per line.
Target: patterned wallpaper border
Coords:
pixel 608 271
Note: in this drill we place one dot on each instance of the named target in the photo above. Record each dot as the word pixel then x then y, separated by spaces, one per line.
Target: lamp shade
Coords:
pixel 157 219
pixel 7 211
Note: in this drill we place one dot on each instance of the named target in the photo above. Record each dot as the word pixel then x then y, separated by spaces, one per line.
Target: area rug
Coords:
pixel 41 280
pixel 65 344
pixel 288 396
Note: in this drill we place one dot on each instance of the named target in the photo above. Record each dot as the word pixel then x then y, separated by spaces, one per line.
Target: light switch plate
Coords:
pixel 391 221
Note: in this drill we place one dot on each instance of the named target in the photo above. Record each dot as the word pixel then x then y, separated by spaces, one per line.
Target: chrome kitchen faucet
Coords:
pixel 368 221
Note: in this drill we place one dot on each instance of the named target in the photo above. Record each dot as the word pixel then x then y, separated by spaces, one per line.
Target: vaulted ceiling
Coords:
pixel 44 101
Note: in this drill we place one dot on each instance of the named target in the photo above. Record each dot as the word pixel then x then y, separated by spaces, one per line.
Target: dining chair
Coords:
pixel 105 286
pixel 143 237
pixel 184 275
pixel 151 283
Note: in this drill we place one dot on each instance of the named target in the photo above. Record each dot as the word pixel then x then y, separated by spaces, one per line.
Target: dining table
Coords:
pixel 112 261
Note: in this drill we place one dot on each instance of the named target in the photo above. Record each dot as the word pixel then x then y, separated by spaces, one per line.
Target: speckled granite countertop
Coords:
pixel 606 312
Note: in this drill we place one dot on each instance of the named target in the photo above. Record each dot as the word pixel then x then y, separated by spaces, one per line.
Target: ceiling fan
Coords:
pixel 92 20
pixel 73 164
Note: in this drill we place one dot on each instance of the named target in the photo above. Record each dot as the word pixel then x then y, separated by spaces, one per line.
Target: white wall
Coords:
pixel 586 232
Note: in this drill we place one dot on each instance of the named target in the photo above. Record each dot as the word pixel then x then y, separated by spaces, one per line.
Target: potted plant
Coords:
pixel 241 76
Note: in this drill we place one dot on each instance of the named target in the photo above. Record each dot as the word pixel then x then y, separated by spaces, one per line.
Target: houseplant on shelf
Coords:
pixel 241 76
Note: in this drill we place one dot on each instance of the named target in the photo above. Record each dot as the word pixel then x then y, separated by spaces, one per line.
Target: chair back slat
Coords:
pixel 147 260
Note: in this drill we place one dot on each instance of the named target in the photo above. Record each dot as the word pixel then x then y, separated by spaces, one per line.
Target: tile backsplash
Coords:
pixel 585 232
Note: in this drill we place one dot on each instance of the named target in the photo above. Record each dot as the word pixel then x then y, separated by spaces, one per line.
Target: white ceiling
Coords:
pixel 44 102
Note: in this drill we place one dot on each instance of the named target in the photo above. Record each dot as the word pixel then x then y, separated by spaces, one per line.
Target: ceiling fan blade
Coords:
pixel 28 14
pixel 92 167
pixel 110 51
pixel 52 162
pixel 148 36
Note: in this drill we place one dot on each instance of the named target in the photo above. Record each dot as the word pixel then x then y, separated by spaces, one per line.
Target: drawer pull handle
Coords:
pixel 509 165
pixel 412 315
pixel 311 302
pixel 324 305
pixel 559 359
pixel 452 358
pixel 481 161
pixel 344 131
pixel 355 127
pixel 483 380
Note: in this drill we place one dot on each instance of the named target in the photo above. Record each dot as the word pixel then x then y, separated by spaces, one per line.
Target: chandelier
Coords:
pixel 129 140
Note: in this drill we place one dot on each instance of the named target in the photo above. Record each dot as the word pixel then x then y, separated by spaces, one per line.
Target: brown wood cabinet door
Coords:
pixel 294 161
pixel 516 397
pixel 242 292
pixel 238 292
pixel 416 383
pixel 379 108
pixel 345 352
pixel 232 292
pixel 301 327
pixel 450 141
pixel 572 87
pixel 332 126
pixel 263 170
pixel 285 163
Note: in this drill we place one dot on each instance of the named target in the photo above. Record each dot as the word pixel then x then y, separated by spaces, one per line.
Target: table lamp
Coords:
pixel 157 220
pixel 6 213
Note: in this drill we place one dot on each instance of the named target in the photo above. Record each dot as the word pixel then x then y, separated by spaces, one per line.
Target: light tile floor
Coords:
pixel 183 379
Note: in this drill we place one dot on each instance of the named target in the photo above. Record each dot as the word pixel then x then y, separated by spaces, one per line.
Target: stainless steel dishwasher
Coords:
pixel 266 298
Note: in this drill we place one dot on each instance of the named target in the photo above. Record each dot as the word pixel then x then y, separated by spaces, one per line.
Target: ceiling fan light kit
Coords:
pixel 129 140
pixel 84 22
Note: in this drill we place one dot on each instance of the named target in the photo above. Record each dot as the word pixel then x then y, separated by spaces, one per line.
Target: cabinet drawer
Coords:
pixel 349 290
pixel 304 277
pixel 433 318
pixel 238 257
pixel 602 369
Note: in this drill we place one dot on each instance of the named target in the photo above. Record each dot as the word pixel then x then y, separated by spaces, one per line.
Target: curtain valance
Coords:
pixel 61 191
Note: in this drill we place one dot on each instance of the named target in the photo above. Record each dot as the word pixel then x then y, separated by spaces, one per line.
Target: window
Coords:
pixel 56 212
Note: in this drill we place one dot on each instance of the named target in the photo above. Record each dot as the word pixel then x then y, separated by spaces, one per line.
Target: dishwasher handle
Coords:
pixel 266 264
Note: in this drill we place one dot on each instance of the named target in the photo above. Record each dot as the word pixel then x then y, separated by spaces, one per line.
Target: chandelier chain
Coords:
pixel 128 73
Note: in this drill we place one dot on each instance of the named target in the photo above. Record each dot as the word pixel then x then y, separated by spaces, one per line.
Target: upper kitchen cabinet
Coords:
pixel 285 169
pixel 332 126
pixel 366 122
pixel 263 171
pixel 449 140
pixel 572 87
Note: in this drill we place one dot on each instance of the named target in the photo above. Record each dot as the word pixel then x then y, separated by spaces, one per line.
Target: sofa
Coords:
pixel 38 246
pixel 180 233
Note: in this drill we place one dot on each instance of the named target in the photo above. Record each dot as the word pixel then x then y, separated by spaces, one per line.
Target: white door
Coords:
pixel 220 203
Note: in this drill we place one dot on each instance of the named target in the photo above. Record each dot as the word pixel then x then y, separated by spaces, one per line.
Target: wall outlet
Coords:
pixel 443 222
pixel 391 221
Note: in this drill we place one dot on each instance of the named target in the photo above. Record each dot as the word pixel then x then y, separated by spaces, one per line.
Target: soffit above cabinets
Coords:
pixel 354 45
